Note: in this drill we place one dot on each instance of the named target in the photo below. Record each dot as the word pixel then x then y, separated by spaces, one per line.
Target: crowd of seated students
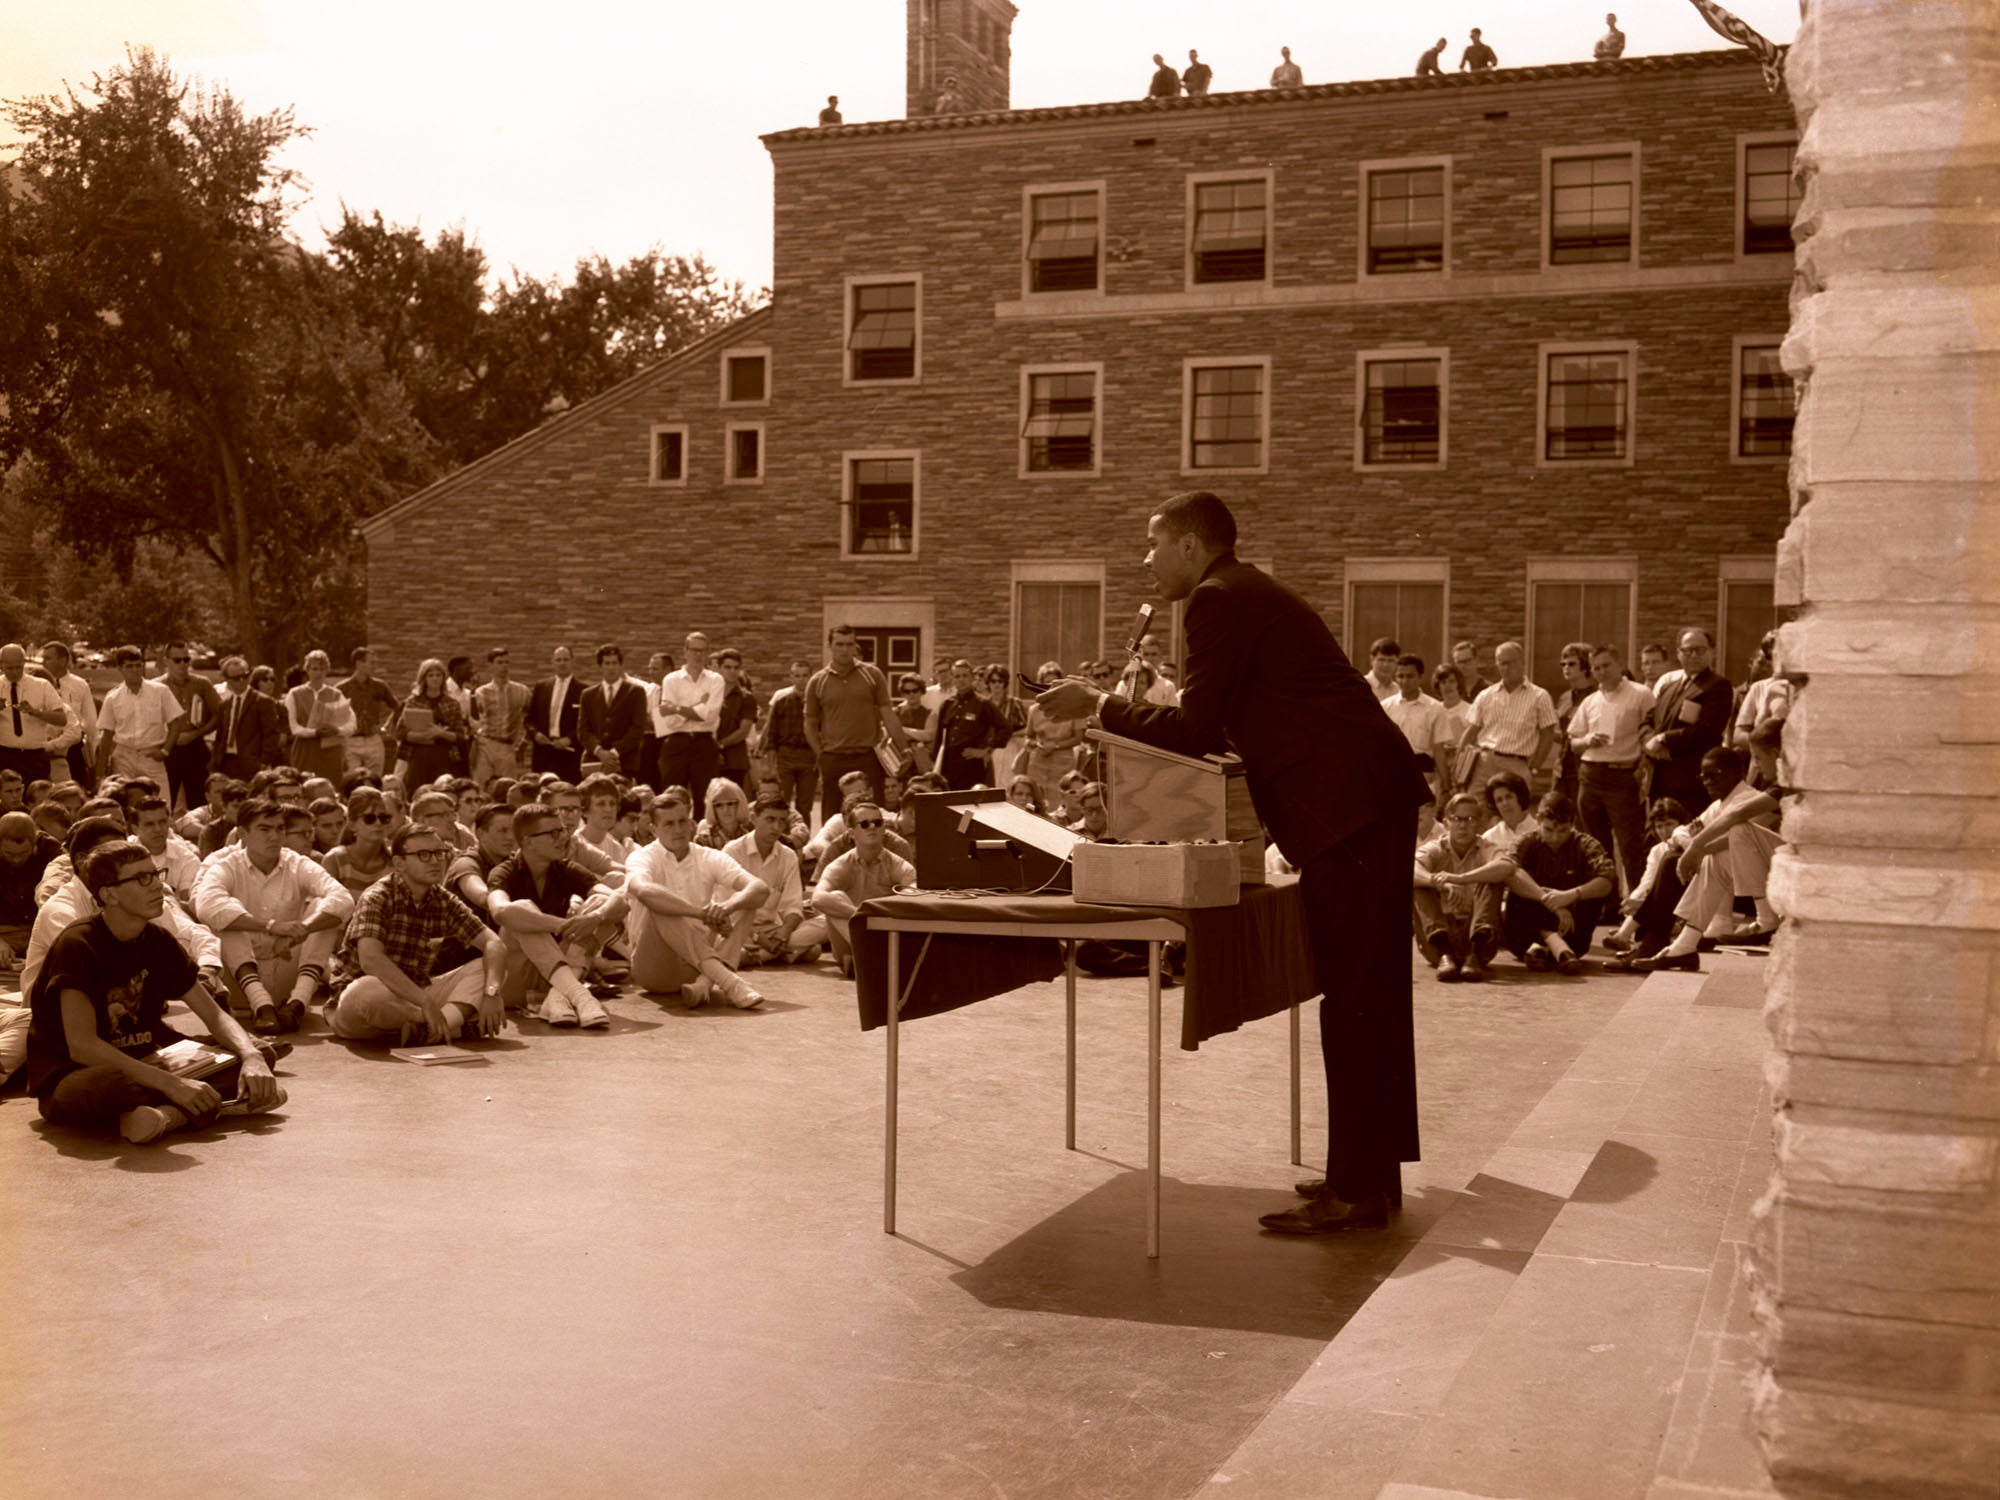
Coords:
pixel 1539 876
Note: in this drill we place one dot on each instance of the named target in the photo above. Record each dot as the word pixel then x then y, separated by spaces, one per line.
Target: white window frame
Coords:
pixel 1215 362
pixel 1033 571
pixel 653 434
pixel 1742 196
pixel 1365 357
pixel 1553 154
pixel 1742 569
pixel 848 459
pixel 847 288
pixel 1623 570
pixel 1398 164
pixel 1627 347
pixel 1391 570
pixel 1737 345
pixel 1046 189
pixel 743 351
pixel 1092 368
pixel 729 474
pixel 1269 177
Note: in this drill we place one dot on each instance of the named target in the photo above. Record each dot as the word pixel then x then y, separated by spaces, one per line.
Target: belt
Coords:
pixel 1610 765
pixel 1504 754
pixel 689 734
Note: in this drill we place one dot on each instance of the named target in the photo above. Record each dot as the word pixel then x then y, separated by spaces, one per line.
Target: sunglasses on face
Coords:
pixel 373 818
pixel 867 822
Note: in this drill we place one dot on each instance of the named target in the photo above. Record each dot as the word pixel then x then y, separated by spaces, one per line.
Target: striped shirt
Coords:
pixel 1510 723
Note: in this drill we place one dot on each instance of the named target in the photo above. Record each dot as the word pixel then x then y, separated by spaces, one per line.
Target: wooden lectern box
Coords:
pixel 1156 796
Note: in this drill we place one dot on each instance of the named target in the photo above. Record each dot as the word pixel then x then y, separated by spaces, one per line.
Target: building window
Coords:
pixel 1770 196
pixel 1402 409
pixel 746 378
pixel 1059 420
pixel 1767 403
pixel 1578 599
pixel 746 453
pixel 1231 238
pixel 882 330
pixel 1586 405
pixel 1228 417
pixel 1064 237
pixel 1746 607
pixel 881 505
pixel 1592 203
pixel 669 455
pixel 1058 614
pixel 1402 598
pixel 1406 220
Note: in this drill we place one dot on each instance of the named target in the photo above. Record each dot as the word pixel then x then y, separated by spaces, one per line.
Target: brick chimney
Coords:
pixel 958 54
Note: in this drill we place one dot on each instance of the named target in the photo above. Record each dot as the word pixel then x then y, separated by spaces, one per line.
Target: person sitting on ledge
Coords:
pixel 864 872
pixel 693 909
pixel 392 990
pixel 554 919
pixel 1457 924
pixel 99 1016
pixel 278 915
pixel 1728 855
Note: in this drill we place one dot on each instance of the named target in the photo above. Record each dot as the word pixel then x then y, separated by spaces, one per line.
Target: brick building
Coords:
pixel 1479 356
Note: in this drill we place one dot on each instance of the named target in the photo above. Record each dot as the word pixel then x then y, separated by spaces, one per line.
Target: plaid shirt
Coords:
pixel 410 927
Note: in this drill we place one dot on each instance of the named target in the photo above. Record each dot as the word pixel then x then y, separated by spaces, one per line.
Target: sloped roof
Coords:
pixel 1667 62
pixel 539 437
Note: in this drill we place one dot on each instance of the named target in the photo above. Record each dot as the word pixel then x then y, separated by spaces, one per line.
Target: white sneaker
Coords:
pixel 741 995
pixel 557 1010
pixel 589 1014
pixel 148 1122
pixel 697 992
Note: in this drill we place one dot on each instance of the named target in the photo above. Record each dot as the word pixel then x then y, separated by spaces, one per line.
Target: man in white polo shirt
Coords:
pixel 140 718
pixel 1605 731
pixel 1513 722
pixel 692 911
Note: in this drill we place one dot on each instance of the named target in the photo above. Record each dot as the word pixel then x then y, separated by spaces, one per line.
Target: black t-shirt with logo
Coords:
pixel 129 985
pixel 561 881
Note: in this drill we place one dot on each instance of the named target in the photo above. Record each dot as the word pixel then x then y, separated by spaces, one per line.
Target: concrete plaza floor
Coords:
pixel 650 1262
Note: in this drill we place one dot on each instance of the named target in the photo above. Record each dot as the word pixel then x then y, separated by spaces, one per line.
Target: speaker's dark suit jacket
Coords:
pixel 1337 785
pixel 617 719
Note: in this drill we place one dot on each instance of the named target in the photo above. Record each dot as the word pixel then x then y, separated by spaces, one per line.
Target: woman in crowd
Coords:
pixel 363 857
pixel 994 687
pixel 1507 794
pixel 1022 792
pixel 726 813
pixel 319 719
pixel 431 749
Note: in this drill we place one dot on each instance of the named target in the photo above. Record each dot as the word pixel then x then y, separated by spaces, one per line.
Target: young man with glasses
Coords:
pixel 277 914
pixel 1458 924
pixel 392 990
pixel 693 909
pixel 249 727
pixel 187 751
pixel 868 870
pixel 554 919
pixel 99 1016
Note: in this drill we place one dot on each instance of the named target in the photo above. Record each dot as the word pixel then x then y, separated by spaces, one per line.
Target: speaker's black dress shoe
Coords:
pixel 1315 1187
pixel 1327 1214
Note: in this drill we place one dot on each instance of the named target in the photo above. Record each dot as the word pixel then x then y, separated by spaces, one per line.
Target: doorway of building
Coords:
pixel 893 648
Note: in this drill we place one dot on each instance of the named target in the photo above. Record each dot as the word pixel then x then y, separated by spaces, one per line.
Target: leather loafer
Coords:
pixel 1315 1187
pixel 1327 1214
pixel 1689 962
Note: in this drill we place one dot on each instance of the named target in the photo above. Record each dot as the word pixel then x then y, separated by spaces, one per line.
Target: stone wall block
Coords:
pixel 1886 1255
pixel 1905 892
pixel 1865 541
pixel 1906 419
pixel 1919 1359
pixel 1827 1154
pixel 1884 821
pixel 1908 1095
pixel 1824 1445
pixel 1887 994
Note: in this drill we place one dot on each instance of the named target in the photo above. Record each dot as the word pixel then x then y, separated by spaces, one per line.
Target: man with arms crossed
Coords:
pixel 530 898
pixel 99 1008
pixel 1334 780
pixel 693 909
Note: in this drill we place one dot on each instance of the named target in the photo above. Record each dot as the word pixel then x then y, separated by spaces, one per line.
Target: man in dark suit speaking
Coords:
pixel 1336 784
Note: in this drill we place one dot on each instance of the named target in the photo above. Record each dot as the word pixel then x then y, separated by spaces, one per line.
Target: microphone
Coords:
pixel 1139 628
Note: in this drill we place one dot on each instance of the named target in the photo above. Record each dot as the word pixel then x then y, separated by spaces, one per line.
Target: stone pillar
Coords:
pixel 1879 1241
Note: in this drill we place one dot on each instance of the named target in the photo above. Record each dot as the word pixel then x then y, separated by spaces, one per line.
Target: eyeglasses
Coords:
pixel 428 856
pixel 148 877
pixel 546 833
pixel 867 822
pixel 373 818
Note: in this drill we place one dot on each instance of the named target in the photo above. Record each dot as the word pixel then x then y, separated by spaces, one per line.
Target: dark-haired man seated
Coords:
pixel 99 1016
pixel 468 874
pixel 693 909
pixel 392 989
pixel 781 932
pixel 554 918
pixel 1556 894
pixel 1457 924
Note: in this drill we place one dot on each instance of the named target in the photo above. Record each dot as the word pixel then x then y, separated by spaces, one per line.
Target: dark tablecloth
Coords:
pixel 1243 962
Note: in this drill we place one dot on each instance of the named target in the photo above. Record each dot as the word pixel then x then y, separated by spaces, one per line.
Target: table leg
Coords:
pixel 1069 1022
pixel 1153 1099
pixel 1298 1160
pixel 889 1106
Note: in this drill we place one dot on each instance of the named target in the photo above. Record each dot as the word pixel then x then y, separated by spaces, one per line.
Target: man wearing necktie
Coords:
pixel 32 713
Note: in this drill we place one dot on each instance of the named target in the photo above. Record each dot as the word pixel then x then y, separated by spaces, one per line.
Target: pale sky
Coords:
pixel 552 131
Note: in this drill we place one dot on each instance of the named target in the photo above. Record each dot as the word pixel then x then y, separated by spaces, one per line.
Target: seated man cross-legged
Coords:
pixel 864 872
pixel 99 1016
pixel 1457 925
pixel 393 989
pixel 1557 890
pixel 553 917
pixel 693 909
pixel 781 932
pixel 278 915
pixel 1728 855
